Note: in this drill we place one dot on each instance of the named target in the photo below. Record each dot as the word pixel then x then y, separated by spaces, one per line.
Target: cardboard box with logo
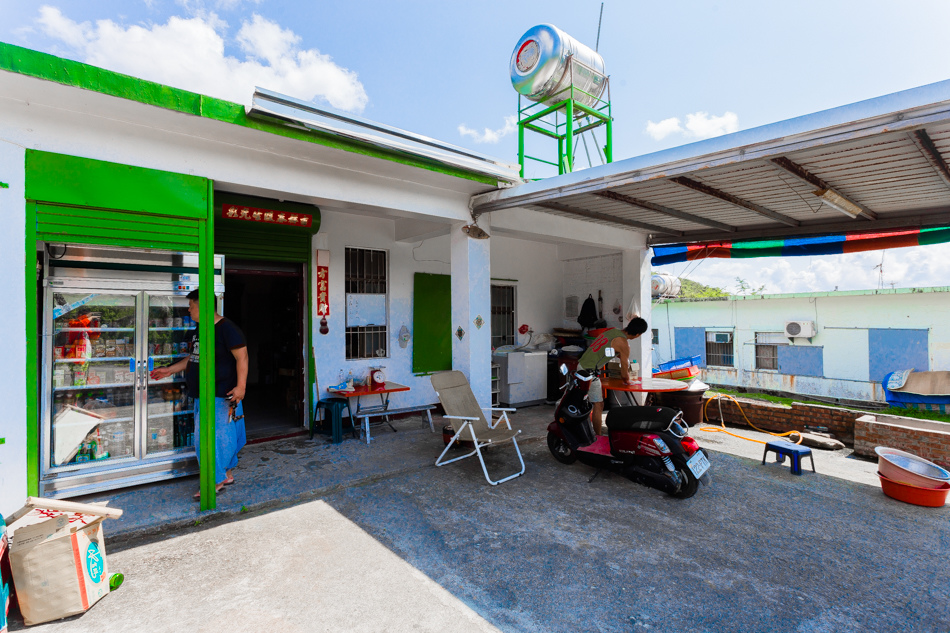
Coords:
pixel 58 557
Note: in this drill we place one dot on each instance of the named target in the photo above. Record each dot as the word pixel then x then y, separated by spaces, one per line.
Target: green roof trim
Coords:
pixel 25 61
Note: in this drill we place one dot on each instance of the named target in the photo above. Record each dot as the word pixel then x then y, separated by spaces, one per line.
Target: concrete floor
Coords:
pixel 437 549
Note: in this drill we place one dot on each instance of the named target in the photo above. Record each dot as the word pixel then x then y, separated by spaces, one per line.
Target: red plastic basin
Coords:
pixel 929 497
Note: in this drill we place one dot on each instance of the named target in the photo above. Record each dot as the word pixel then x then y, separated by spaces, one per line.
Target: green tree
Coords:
pixel 743 287
pixel 695 290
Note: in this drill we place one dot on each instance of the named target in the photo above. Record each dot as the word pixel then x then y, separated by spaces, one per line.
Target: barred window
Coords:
pixel 766 349
pixel 719 349
pixel 502 316
pixel 366 287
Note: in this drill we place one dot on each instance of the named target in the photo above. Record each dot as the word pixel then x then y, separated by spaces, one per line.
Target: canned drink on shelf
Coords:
pixel 169 322
pixel 155 323
pixel 167 349
pixel 59 378
pixel 183 347
pixel 177 322
pixel 59 351
pixel 79 378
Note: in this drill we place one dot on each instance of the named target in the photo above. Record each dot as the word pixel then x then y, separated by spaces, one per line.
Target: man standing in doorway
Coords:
pixel 230 363
pixel 596 357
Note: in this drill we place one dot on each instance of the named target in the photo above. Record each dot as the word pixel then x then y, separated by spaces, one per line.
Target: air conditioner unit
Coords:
pixel 803 329
pixel 718 337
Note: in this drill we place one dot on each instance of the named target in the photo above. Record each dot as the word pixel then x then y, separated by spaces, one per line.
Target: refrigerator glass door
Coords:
pixel 93 366
pixel 169 412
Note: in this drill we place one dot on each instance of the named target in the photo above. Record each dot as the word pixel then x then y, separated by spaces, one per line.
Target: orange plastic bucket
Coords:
pixel 928 497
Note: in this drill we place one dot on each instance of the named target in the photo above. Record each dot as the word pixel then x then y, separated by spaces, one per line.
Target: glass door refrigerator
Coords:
pixel 110 316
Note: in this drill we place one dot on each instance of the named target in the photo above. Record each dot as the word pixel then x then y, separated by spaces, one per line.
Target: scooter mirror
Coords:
pixel 563 369
pixel 609 352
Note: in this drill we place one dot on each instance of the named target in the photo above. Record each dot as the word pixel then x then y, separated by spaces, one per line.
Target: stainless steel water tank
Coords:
pixel 664 285
pixel 541 72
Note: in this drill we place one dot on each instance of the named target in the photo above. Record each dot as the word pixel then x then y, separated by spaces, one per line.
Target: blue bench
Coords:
pixel 795 452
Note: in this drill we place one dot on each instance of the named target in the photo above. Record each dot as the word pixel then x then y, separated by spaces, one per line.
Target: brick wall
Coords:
pixel 780 418
pixel 925 439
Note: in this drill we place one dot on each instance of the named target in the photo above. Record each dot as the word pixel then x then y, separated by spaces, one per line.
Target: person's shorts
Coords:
pixel 595 393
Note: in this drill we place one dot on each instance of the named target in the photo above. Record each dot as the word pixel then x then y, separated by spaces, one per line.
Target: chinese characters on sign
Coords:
pixel 267 216
pixel 323 296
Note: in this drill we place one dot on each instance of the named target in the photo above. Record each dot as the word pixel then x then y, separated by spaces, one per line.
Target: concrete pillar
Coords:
pixel 636 283
pixel 471 298
pixel 13 387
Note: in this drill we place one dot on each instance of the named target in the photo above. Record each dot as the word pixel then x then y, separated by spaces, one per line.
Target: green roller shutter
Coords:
pixel 251 240
pixel 114 228
pixel 85 201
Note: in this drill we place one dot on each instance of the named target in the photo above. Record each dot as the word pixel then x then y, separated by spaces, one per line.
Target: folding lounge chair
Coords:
pixel 469 421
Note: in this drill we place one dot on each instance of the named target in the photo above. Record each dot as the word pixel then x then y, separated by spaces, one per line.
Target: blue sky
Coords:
pixel 432 67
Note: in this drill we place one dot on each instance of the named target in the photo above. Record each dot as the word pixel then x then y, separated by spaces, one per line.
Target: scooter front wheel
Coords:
pixel 690 484
pixel 561 450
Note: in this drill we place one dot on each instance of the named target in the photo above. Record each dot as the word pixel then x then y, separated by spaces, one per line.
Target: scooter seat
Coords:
pixel 640 418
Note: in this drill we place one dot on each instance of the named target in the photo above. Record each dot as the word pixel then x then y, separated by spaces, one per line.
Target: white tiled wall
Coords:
pixel 587 275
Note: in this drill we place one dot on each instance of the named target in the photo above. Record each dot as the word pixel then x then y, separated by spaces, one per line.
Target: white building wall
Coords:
pixel 12 346
pixel 843 321
pixel 339 231
pixel 535 271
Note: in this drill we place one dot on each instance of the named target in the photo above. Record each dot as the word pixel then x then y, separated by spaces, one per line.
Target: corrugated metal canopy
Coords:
pixel 885 159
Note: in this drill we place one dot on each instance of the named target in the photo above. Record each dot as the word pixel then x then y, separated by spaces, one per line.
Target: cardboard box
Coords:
pixel 58 557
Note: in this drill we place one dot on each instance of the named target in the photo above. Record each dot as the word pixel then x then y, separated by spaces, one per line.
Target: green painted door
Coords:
pixel 431 323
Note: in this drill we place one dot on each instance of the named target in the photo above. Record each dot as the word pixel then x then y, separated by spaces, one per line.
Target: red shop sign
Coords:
pixel 267 216
pixel 323 295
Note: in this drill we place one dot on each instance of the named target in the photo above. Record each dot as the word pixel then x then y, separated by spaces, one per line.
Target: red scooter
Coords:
pixel 648 445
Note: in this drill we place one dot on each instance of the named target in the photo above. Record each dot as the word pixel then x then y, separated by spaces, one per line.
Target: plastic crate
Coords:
pixel 678 363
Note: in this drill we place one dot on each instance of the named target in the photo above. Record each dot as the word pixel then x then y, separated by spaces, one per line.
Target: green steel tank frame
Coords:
pixel 562 123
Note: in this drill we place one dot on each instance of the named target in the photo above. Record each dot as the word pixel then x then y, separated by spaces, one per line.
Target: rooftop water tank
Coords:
pixel 664 285
pixel 540 69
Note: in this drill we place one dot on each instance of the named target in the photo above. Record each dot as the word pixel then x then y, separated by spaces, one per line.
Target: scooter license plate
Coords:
pixel 698 464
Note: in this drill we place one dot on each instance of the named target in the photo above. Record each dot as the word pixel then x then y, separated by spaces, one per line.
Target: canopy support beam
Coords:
pixel 703 188
pixel 930 151
pixel 807 177
pixel 603 217
pixel 659 208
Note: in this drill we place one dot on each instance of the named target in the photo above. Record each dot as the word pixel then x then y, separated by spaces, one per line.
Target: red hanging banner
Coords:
pixel 323 295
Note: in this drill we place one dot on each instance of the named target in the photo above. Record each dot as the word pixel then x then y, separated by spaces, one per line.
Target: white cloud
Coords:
pixel 189 53
pixel 490 136
pixel 699 125
pixel 664 128
pixel 912 267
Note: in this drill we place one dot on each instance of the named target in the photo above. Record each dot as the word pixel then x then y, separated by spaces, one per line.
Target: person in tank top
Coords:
pixel 596 357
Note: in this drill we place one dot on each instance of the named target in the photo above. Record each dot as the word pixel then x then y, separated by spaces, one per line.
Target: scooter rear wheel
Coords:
pixel 690 483
pixel 561 450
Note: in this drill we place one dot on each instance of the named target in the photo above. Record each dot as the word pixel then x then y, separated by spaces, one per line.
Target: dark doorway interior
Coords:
pixel 266 301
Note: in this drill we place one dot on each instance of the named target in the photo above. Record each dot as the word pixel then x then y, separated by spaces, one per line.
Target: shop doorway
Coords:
pixel 266 300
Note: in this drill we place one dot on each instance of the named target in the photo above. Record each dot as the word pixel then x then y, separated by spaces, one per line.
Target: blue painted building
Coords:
pixel 828 344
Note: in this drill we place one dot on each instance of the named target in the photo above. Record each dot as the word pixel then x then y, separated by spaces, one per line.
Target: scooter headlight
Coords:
pixel 660 444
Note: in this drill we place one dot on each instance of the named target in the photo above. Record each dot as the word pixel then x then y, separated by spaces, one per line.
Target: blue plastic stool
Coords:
pixel 795 452
pixel 333 406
